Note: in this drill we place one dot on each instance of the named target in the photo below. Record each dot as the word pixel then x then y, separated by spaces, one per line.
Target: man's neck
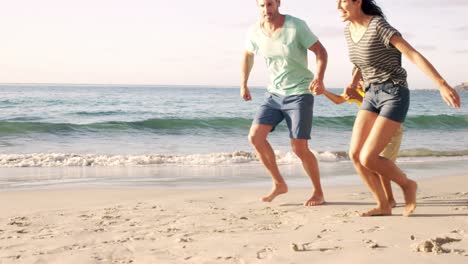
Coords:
pixel 274 24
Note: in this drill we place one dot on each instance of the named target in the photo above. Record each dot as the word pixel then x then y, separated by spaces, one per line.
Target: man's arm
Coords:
pixel 247 64
pixel 321 55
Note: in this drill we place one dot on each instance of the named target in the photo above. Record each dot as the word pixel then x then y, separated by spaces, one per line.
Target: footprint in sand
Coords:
pixel 325 249
pixel 266 227
pixel 111 210
pixel 458 231
pixel 184 239
pixel 310 247
pixel 46 232
pixel 435 245
pixel 428 197
pixel 273 212
pixel 371 244
pixel 347 214
pixel 464 208
pixel 298 227
pixel 369 230
pixel 22 231
pixel 86 216
pixel 14 257
pixel 74 247
pixel 265 252
pixel 20 221
pixel 225 258
pixel 360 195
pixel 123 261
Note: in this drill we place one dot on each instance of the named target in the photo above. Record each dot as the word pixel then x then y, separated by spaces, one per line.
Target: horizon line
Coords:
pixel 147 85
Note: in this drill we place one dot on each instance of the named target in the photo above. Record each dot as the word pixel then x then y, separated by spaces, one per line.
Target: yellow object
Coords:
pixel 355 101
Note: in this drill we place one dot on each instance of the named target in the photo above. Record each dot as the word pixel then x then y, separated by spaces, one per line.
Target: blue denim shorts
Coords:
pixel 388 100
pixel 297 110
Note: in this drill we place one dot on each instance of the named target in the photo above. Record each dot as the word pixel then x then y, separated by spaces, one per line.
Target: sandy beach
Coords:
pixel 150 225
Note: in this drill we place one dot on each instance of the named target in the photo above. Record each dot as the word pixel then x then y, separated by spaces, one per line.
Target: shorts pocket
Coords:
pixel 391 89
pixel 268 95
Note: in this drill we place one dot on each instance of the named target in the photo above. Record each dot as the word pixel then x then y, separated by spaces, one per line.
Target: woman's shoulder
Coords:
pixel 379 21
pixel 346 28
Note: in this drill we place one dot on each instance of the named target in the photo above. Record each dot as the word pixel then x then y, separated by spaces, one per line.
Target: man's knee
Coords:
pixel 301 150
pixel 256 139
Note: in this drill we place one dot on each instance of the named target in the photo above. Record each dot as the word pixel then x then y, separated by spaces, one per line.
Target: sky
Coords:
pixel 200 42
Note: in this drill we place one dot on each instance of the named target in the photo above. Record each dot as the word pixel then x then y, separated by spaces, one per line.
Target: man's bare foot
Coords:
pixel 277 190
pixel 392 203
pixel 316 199
pixel 409 191
pixel 377 212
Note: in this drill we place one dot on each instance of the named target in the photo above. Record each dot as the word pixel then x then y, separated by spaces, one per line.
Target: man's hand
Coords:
pixel 316 87
pixel 245 93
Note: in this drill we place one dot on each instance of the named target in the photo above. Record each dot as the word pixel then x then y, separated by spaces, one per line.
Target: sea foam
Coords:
pixel 88 160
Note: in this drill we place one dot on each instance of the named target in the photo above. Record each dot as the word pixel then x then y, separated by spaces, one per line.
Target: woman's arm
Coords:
pixel 350 90
pixel 448 94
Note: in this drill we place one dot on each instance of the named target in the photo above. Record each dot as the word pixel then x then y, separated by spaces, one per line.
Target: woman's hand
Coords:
pixel 450 96
pixel 351 93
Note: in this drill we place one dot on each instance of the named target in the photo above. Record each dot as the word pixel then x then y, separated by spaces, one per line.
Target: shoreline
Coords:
pixel 229 225
pixel 239 175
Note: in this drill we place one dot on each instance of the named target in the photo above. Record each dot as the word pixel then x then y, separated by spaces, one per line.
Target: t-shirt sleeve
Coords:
pixel 385 32
pixel 250 44
pixel 305 36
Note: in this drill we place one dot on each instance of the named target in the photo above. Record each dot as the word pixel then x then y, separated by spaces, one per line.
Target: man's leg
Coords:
pixel 258 138
pixel 309 162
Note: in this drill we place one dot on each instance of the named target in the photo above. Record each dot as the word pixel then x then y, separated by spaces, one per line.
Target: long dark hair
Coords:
pixel 369 7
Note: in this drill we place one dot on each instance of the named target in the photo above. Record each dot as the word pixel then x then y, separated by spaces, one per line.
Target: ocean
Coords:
pixel 55 135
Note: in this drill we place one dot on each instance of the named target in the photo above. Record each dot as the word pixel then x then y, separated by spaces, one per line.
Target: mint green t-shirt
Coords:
pixel 285 54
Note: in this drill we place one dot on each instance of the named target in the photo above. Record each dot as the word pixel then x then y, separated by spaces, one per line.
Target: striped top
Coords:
pixel 373 54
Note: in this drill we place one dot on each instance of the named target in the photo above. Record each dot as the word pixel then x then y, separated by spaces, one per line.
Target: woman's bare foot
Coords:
pixel 392 203
pixel 377 212
pixel 409 191
pixel 316 199
pixel 277 190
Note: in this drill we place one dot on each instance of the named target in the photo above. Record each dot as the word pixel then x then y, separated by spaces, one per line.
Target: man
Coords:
pixel 283 41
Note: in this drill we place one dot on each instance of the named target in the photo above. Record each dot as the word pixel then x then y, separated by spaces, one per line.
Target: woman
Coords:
pixel 391 149
pixel 375 48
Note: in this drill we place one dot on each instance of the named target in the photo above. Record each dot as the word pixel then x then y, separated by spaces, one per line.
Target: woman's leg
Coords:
pixel 379 136
pixel 387 186
pixel 363 125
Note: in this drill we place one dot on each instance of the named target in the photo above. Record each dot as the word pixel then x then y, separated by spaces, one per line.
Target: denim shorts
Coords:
pixel 297 110
pixel 388 100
